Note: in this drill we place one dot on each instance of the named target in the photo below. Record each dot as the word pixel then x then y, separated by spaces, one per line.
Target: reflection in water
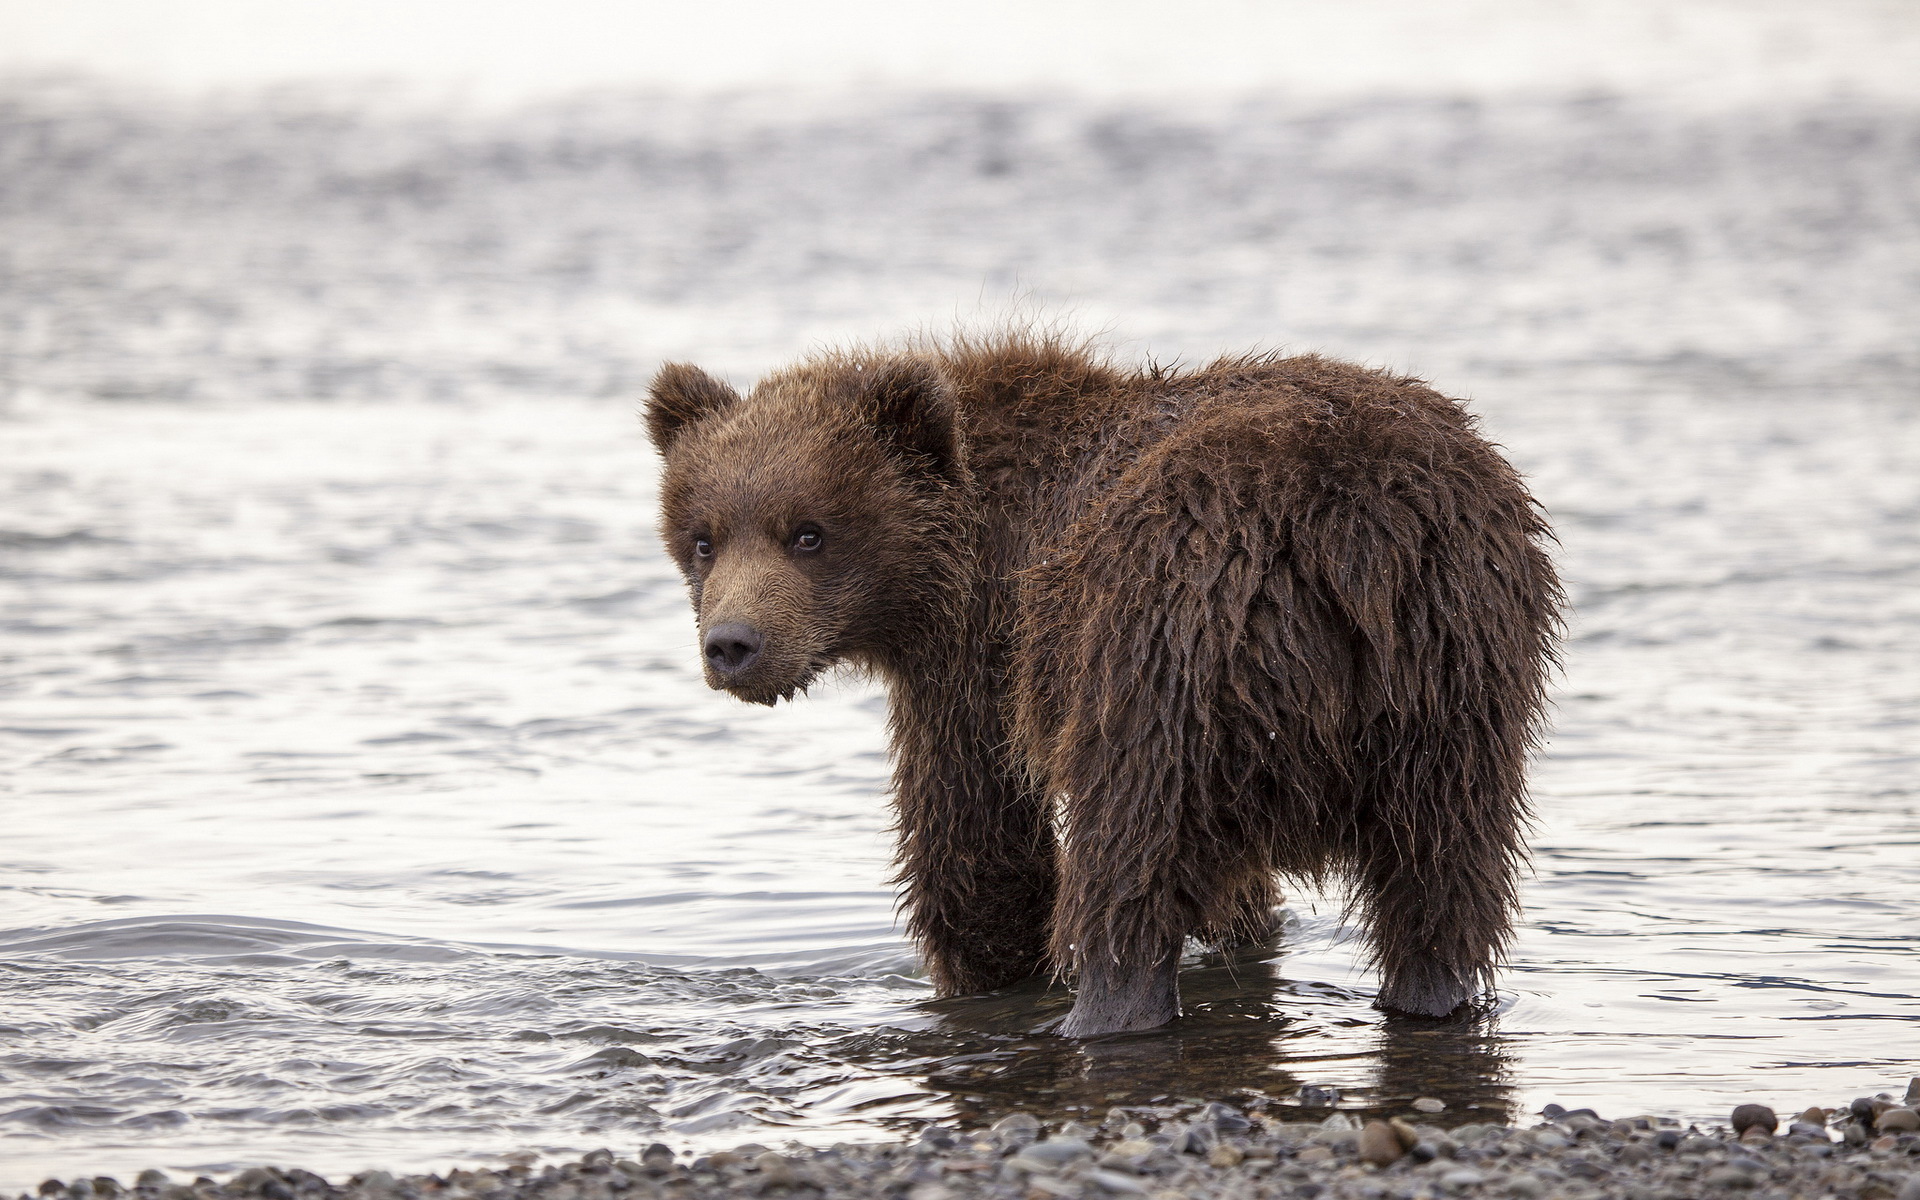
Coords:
pixel 1242 1039
pixel 1463 1063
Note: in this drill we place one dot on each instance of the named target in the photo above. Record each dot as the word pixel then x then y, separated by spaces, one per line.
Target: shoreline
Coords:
pixel 1864 1149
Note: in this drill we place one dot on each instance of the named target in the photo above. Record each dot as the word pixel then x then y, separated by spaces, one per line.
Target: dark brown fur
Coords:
pixel 1151 639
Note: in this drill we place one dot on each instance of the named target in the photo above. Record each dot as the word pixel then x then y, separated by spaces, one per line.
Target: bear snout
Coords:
pixel 732 648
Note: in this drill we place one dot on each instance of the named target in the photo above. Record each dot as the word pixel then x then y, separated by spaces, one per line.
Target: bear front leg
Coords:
pixel 976 851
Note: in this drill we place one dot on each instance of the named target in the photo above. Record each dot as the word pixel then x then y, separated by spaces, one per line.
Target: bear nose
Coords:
pixel 732 647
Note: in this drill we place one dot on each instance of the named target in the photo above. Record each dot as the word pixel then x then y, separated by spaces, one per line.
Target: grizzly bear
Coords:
pixel 1151 638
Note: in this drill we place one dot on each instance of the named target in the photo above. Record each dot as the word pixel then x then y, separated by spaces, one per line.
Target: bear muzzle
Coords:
pixel 732 649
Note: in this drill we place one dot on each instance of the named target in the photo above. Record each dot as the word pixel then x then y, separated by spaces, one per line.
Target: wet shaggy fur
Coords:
pixel 1152 638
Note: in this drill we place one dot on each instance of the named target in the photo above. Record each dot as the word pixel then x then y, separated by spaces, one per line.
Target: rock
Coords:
pixel 1319 1097
pixel 657 1156
pixel 1729 1177
pixel 1802 1129
pixel 152 1177
pixel 1581 1168
pixel 1526 1187
pixel 1408 1134
pixel 1340 1120
pixel 1225 1155
pixel 1913 1092
pixel 1462 1178
pixel 1815 1116
pixel 1380 1144
pixel 1910 1190
pixel 1314 1154
pixel 1427 1104
pixel 775 1170
pixel 1052 1154
pixel 1114 1181
pixel 1200 1138
pixel 1226 1118
pixel 1754 1116
pixel 1898 1120
pixel 1016 1127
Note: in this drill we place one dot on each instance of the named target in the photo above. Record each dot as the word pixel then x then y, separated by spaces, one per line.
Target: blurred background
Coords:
pixel 364 803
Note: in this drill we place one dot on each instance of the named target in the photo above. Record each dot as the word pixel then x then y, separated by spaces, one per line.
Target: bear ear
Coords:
pixel 911 409
pixel 680 395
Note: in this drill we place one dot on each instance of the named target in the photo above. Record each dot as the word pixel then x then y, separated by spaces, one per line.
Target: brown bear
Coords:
pixel 1150 637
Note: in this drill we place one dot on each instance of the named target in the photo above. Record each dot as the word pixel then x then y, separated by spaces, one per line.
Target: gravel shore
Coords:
pixel 1868 1149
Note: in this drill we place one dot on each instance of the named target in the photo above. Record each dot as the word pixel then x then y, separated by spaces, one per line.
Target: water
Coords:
pixel 363 802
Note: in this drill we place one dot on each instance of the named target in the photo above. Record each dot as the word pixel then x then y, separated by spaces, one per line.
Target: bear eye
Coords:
pixel 702 548
pixel 807 538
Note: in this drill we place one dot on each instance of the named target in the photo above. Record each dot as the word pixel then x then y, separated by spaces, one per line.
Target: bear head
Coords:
pixel 814 518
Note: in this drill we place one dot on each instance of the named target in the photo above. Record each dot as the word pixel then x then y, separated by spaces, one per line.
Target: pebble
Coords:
pixel 1226 1154
pixel 1057 1151
pixel 1017 1127
pixel 1380 1144
pixel 1427 1104
pixel 775 1170
pixel 1114 1181
pixel 1142 1154
pixel 1730 1177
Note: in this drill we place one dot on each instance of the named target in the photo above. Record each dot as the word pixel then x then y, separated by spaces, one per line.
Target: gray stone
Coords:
pixel 1114 1181
pixel 1057 1151
pixel 1730 1177
pixel 1016 1127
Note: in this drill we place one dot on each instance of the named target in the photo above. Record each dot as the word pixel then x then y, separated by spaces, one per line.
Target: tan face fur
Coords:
pixel 791 513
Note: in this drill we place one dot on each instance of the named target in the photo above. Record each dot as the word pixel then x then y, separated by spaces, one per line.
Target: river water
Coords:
pixel 363 802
